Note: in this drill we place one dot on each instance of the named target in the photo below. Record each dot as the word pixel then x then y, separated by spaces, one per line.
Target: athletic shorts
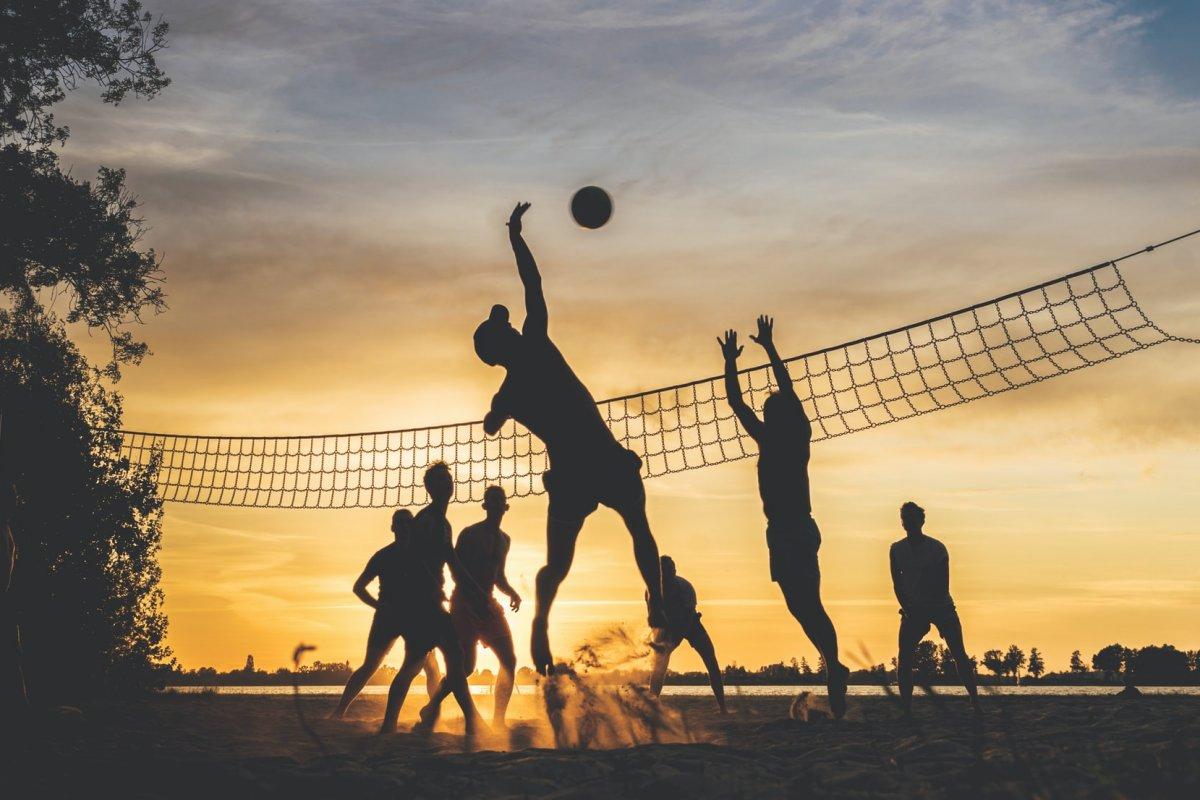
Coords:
pixel 679 631
pixel 472 624
pixel 419 627
pixel 793 549
pixel 918 621
pixel 578 486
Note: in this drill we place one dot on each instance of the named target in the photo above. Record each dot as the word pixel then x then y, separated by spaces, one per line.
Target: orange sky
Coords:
pixel 329 189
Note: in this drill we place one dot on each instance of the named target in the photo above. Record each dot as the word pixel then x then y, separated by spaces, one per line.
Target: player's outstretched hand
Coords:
pixel 514 219
pixel 766 329
pixel 729 345
pixel 514 603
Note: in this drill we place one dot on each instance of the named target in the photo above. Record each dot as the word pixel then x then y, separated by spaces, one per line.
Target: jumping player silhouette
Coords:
pixel 921 580
pixel 783 436
pixel 587 465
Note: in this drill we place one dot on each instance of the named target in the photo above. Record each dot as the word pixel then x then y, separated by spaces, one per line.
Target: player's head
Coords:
pixel 402 518
pixel 781 413
pixel 668 566
pixel 495 502
pixel 912 516
pixel 439 482
pixel 496 340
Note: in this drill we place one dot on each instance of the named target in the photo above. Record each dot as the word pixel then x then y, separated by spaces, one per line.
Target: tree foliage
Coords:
pixel 48 46
pixel 1109 660
pixel 86 586
pixel 65 238
pixel 1037 666
pixel 88 524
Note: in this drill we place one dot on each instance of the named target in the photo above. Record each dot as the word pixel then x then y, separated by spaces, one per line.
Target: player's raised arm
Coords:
pixel 733 389
pixel 536 314
pixel 766 339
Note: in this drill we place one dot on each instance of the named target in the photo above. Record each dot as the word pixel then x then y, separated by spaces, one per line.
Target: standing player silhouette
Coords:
pixel 783 436
pixel 587 465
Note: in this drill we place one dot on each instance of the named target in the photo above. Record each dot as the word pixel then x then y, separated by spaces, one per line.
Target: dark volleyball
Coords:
pixel 591 207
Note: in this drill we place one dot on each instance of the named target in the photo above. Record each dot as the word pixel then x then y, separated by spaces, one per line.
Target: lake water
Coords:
pixel 698 691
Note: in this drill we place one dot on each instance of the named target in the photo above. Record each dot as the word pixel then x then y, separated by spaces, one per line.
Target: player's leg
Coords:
pixel 561 536
pixel 500 642
pixel 699 639
pixel 950 627
pixel 645 551
pixel 378 646
pixel 433 675
pixel 414 658
pixel 801 587
pixel 464 630
pixel 662 660
pixel 911 633
pixel 456 673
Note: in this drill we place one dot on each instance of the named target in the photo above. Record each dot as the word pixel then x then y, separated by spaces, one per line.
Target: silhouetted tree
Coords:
pixel 925 664
pixel 1014 659
pixel 1162 664
pixel 1077 664
pixel 1036 665
pixel 249 664
pixel 87 581
pixel 1108 660
pixel 994 661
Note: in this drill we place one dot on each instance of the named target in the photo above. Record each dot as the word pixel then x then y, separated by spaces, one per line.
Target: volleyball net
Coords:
pixel 1087 317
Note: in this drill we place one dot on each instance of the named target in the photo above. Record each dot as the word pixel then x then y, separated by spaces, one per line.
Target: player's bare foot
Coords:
pixel 543 662
pixel 428 718
pixel 837 690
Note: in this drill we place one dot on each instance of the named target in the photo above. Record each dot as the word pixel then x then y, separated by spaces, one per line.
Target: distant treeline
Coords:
pixel 1163 665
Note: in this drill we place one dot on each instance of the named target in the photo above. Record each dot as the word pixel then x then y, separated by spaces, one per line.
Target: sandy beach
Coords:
pixel 224 746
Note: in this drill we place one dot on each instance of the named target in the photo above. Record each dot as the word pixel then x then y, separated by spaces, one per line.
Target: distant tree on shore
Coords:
pixel 1014 659
pixel 1036 665
pixel 1077 664
pixel 994 661
pixel 1109 660
pixel 1162 664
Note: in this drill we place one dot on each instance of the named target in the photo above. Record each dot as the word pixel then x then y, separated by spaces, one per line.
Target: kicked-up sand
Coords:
pixel 223 747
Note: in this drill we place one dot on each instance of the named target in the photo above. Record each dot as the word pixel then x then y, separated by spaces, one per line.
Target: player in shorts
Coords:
pixel 921 580
pixel 389 565
pixel 683 625
pixel 793 539
pixel 422 619
pixel 482 550
pixel 588 468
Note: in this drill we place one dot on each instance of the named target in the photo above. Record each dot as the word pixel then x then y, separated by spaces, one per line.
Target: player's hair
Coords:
pixel 911 508
pixel 435 467
pixel 664 559
pixel 491 491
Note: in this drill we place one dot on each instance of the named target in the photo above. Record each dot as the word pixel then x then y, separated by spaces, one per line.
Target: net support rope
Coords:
pixel 1080 319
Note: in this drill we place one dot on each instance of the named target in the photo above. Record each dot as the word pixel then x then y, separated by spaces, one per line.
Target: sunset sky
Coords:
pixel 328 182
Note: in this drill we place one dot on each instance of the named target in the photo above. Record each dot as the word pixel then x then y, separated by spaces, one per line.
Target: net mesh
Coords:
pixel 1082 319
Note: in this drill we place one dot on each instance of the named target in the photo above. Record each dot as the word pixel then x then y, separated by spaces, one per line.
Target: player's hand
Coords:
pixel 729 345
pixel 514 219
pixel 493 422
pixel 514 603
pixel 766 327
